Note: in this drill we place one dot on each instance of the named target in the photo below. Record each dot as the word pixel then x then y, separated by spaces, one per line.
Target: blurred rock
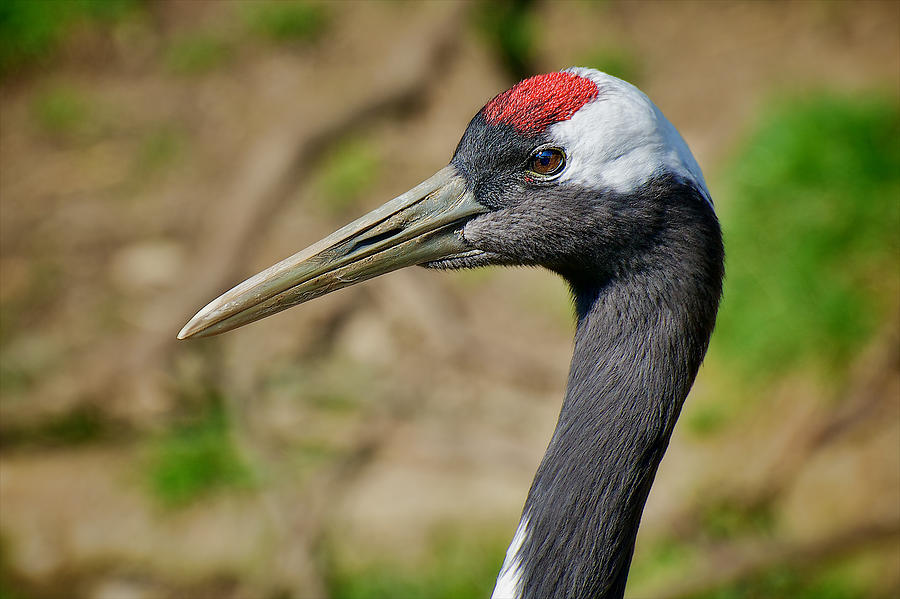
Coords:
pixel 146 266
pixel 123 588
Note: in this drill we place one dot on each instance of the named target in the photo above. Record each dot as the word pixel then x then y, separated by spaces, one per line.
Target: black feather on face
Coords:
pixel 571 229
pixel 492 158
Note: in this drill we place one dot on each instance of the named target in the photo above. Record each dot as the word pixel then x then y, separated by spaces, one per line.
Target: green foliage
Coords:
pixel 787 582
pixel 811 223
pixel 195 459
pixel 708 418
pixel 8 592
pixel 851 576
pixel 22 364
pixel 665 559
pixel 196 54
pixel 61 112
pixel 159 148
pixel 14 378
pixel 332 402
pixel 30 30
pixel 509 26
pixel 8 584
pixel 726 519
pixel 287 21
pixel 347 171
pixel 456 568
pixel 76 427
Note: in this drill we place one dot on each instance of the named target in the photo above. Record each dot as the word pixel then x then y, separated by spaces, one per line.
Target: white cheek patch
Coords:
pixel 621 140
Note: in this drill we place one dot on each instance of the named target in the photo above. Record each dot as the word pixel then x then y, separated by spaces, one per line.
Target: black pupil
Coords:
pixel 546 162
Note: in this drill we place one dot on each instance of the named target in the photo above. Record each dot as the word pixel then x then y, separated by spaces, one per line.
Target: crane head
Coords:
pixel 563 170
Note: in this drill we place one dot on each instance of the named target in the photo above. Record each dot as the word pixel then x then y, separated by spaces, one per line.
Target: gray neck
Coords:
pixel 638 345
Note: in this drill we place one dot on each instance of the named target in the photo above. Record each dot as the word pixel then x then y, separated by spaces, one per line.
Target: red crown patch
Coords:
pixel 535 103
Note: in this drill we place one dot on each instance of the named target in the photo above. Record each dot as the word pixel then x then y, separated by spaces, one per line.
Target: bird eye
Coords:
pixel 547 162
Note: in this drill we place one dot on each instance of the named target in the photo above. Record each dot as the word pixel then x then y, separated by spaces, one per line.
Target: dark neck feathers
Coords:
pixel 641 337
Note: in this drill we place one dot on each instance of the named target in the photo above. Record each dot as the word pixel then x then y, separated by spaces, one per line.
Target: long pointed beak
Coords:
pixel 422 225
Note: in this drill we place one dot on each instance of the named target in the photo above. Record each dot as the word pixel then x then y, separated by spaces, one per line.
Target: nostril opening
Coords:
pixel 364 243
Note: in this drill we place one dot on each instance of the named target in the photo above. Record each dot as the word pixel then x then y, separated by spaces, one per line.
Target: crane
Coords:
pixel 578 172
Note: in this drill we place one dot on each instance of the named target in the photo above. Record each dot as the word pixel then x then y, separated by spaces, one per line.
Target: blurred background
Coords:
pixel 379 443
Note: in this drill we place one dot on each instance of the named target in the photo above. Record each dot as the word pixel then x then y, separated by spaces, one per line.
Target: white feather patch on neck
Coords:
pixel 509 581
pixel 621 140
